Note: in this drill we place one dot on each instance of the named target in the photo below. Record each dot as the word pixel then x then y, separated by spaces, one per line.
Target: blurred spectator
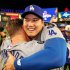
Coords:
pixel 67 37
pixel 2 34
pixel 61 26
pixel 53 19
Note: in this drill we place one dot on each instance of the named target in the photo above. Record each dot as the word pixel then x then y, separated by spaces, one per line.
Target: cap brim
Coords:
pixel 25 13
pixel 61 26
pixel 67 31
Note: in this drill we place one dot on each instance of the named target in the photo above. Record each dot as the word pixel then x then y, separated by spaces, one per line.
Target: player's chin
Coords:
pixel 32 34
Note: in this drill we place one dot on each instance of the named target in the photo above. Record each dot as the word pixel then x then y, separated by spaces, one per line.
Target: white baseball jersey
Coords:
pixel 25 49
pixel 19 50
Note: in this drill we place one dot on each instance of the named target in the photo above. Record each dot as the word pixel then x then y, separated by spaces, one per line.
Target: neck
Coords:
pixel 19 36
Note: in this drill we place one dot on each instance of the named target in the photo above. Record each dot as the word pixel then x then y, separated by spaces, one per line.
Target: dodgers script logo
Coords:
pixel 15 53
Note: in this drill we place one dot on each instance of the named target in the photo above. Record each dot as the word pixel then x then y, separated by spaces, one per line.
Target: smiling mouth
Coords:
pixel 31 29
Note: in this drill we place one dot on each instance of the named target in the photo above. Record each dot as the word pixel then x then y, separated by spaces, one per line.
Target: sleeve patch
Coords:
pixel 19 62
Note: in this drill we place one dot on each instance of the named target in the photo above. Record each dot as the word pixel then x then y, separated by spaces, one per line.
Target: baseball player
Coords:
pixel 51 55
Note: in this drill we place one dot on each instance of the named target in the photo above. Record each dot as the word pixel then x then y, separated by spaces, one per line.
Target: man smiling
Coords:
pixel 54 53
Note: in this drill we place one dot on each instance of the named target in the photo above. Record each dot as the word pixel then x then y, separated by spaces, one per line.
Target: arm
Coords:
pixel 53 56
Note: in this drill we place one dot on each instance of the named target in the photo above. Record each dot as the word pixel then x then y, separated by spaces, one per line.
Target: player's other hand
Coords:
pixel 10 62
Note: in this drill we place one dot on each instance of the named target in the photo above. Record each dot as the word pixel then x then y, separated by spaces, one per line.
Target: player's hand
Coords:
pixel 10 62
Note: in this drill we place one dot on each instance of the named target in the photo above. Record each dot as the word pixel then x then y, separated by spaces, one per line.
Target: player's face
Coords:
pixel 62 28
pixel 32 25
pixel 67 33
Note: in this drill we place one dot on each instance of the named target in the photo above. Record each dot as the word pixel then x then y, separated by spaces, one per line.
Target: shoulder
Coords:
pixel 50 29
pixel 49 32
pixel 5 43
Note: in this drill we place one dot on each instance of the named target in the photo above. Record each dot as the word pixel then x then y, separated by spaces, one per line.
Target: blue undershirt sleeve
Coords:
pixel 53 56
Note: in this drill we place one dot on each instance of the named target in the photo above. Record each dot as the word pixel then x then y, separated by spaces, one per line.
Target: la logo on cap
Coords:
pixel 31 8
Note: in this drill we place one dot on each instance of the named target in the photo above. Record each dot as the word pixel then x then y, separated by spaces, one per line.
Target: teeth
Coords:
pixel 31 29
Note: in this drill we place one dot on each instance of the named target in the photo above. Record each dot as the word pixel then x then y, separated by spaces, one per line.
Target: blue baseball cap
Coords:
pixel 33 9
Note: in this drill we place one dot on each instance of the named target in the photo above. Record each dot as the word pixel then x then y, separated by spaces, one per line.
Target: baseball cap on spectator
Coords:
pixel 67 28
pixel 61 25
pixel 33 9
